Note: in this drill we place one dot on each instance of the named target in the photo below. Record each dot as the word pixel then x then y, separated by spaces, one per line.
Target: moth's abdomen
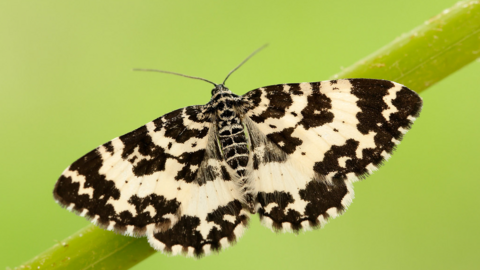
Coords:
pixel 234 144
pixel 233 141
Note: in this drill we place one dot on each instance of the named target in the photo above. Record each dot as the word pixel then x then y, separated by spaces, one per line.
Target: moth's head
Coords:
pixel 219 88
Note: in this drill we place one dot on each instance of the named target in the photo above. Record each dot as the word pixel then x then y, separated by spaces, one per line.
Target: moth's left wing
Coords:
pixel 310 141
pixel 165 180
pixel 211 217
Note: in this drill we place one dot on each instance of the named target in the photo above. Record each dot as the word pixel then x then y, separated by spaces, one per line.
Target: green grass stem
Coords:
pixel 428 53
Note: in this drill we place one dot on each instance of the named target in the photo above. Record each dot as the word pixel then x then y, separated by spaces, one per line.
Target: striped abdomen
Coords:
pixel 234 147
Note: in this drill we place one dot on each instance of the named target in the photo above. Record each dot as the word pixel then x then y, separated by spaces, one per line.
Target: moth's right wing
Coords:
pixel 164 180
pixel 310 141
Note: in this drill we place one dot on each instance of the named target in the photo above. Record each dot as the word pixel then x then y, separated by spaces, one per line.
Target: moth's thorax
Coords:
pixel 221 93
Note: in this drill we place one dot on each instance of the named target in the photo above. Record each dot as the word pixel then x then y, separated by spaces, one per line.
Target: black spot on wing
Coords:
pixel 174 124
pixel 408 103
pixel 177 130
pixel 330 161
pixel 322 196
pixel 192 158
pixel 370 94
pixel 172 116
pixel 225 175
pixel 161 205
pixel 185 232
pixel 66 192
pixel 89 166
pixel 279 213
pixel 187 174
pixel 355 165
pixel 295 89
pixel 278 100
pixel 251 99
pixel 156 156
pixel 316 113
pixel 285 140
pixel 189 159
pixel 227 227
pixel 109 147
pixel 194 113
pixel 182 233
pixel 137 138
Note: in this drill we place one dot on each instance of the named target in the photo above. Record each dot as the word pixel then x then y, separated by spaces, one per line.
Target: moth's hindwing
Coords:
pixel 331 133
pixel 163 180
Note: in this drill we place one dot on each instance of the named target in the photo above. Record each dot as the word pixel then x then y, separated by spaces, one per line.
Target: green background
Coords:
pixel 66 86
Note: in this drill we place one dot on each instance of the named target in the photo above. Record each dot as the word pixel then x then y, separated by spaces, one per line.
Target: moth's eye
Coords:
pixel 213 91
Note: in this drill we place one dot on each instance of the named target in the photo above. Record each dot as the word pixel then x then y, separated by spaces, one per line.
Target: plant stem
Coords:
pixel 93 248
pixel 429 53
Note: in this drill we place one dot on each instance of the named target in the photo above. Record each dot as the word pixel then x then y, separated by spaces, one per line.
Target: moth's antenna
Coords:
pixel 243 62
pixel 174 73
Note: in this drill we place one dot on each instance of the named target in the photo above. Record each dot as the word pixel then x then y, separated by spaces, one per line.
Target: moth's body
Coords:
pixel 189 179
pixel 231 135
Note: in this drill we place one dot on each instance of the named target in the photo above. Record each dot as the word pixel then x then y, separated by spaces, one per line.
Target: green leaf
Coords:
pixel 429 53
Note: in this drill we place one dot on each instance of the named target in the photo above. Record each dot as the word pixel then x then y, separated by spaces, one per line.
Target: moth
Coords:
pixel 189 180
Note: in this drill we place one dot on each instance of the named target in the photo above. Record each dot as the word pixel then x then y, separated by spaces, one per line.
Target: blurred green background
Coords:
pixel 66 86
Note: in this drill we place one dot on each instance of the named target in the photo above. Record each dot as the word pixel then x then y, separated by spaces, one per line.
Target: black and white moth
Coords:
pixel 290 152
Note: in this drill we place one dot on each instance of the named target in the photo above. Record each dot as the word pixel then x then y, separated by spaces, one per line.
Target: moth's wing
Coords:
pixel 331 134
pixel 151 180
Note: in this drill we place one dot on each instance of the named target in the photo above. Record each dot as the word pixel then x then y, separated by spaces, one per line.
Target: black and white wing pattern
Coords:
pixel 166 180
pixel 189 179
pixel 310 141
